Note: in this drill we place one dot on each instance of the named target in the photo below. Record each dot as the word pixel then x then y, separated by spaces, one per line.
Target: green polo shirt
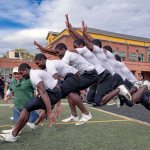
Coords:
pixel 23 92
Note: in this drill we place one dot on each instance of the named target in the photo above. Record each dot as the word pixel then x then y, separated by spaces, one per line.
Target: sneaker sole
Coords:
pixel 79 123
pixel 82 122
pixel 69 121
pixel 128 96
pixel 10 132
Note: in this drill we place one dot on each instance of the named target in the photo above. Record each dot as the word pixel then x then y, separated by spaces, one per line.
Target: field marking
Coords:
pixel 2 126
pixel 6 105
pixel 106 112
pixel 94 121
pixel 89 122
pixel 122 117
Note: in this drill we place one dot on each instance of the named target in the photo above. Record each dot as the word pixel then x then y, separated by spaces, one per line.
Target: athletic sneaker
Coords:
pixel 117 101
pixel 31 125
pixel 12 118
pixel 138 84
pixel 9 131
pixel 8 137
pixel 124 92
pixel 84 119
pixel 71 118
pixel 146 82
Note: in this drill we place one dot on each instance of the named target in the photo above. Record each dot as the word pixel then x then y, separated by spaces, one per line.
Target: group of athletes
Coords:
pixel 88 65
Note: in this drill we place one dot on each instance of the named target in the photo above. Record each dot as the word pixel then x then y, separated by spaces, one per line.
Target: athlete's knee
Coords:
pixel 90 98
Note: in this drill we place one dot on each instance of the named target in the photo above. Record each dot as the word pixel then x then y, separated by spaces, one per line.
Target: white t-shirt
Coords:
pixel 117 68
pixel 89 56
pixel 40 75
pixel 128 74
pixel 60 67
pixel 99 53
pixel 122 70
pixel 110 55
pixel 77 61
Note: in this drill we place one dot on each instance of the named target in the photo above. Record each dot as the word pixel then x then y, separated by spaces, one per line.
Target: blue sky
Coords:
pixel 11 24
pixel 23 21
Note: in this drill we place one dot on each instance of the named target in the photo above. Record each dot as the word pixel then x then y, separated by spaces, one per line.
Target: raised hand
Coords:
pixel 84 28
pixel 38 45
pixel 67 18
pixel 68 24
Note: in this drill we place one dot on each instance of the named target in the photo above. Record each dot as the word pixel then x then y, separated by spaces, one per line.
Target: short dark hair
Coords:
pixel 61 46
pixel 79 42
pixel 118 58
pixel 23 66
pixel 108 48
pixel 40 56
pixel 97 42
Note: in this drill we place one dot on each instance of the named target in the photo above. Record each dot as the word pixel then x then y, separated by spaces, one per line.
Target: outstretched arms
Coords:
pixel 45 50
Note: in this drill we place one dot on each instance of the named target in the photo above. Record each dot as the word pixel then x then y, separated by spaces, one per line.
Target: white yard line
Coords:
pixel 6 105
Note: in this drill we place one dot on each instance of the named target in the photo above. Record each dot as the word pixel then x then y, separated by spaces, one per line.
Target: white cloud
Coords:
pixel 23 39
pixel 124 16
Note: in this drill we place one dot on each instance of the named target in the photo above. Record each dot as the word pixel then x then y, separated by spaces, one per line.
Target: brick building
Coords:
pixel 7 64
pixel 134 51
pixel 13 59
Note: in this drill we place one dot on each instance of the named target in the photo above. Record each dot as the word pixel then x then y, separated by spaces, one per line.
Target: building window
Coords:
pixel 5 72
pixel 132 56
pixel 141 57
pixel 122 55
pixel 148 56
pixel 16 54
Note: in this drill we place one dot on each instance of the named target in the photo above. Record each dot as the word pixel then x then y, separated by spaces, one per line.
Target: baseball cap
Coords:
pixel 15 70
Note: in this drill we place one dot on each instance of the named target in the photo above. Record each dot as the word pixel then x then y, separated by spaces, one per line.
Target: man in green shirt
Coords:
pixel 23 91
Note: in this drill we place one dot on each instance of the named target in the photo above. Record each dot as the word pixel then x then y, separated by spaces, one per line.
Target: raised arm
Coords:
pixel 73 33
pixel 85 34
pixel 76 35
pixel 45 50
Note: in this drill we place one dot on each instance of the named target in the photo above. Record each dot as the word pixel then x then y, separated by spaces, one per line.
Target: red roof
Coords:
pixel 11 63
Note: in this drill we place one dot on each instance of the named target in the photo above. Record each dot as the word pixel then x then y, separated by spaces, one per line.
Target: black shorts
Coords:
pixel 145 100
pixel 37 102
pixel 70 84
pixel 129 85
pixel 104 86
pixel 88 78
pixel 91 93
pixel 117 80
